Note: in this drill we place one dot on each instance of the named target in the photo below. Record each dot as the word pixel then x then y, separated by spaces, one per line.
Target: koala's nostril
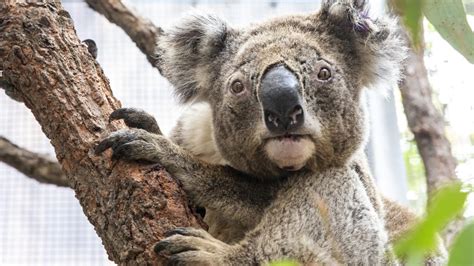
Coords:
pixel 272 121
pixel 272 118
pixel 296 115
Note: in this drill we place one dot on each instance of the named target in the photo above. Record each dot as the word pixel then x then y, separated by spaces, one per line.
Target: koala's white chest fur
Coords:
pixel 194 133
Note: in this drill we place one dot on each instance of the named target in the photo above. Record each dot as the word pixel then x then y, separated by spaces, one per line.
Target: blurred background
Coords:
pixel 44 224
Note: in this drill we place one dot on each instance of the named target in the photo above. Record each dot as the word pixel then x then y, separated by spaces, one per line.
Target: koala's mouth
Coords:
pixel 289 151
pixel 289 137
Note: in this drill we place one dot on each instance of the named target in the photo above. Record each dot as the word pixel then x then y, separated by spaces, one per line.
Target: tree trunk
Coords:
pixel 130 205
pixel 425 121
pixel 427 124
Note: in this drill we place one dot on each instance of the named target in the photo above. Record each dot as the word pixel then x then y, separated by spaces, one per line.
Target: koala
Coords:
pixel 272 143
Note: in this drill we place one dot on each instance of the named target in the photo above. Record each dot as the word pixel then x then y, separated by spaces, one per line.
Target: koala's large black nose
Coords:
pixel 280 98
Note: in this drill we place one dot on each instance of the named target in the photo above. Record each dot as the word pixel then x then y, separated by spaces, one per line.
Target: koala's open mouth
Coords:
pixel 289 151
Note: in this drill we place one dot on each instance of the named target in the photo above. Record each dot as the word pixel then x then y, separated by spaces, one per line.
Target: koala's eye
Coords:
pixel 237 87
pixel 324 73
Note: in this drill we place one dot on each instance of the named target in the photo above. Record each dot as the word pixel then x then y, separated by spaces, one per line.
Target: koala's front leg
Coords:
pixel 136 144
pixel 212 186
pixel 143 141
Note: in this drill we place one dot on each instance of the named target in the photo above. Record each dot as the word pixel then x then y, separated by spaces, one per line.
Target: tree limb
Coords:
pixel 142 31
pixel 426 124
pixel 36 166
pixel 425 121
pixel 131 206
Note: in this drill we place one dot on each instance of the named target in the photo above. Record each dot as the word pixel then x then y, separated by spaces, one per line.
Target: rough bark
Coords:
pixel 426 122
pixel 142 31
pixel 36 166
pixel 130 205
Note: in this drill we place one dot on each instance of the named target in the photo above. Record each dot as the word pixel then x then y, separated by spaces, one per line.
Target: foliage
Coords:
pixel 449 19
pixel 447 16
pixel 462 250
pixel 412 14
pixel 445 205
pixel 284 263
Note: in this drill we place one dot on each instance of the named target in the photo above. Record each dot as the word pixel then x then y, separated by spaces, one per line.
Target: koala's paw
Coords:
pixel 136 118
pixel 190 246
pixel 134 144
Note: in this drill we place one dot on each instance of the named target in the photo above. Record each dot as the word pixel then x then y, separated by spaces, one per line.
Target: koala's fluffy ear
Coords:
pixel 379 47
pixel 189 50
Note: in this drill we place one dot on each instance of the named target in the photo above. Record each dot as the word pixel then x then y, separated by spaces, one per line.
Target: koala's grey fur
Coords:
pixel 327 212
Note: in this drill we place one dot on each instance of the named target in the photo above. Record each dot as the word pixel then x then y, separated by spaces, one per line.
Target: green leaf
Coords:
pixel 412 15
pixel 445 205
pixel 449 19
pixel 462 252
pixel 284 263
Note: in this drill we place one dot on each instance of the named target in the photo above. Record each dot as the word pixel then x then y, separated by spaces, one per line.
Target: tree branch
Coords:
pixel 142 31
pixel 425 121
pixel 427 124
pixel 131 206
pixel 36 166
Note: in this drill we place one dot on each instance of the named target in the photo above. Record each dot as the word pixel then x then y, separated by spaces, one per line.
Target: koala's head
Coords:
pixel 286 94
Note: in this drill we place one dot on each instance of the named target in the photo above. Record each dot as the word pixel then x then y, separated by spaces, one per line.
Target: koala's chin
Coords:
pixel 289 152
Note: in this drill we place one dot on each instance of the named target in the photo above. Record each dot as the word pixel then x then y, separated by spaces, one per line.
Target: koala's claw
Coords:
pixel 115 140
pixel 177 231
pixel 136 118
pixel 189 231
pixel 190 246
pixel 131 145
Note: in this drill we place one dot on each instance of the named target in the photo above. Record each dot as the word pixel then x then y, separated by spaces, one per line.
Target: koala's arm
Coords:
pixel 214 186
pixel 221 188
